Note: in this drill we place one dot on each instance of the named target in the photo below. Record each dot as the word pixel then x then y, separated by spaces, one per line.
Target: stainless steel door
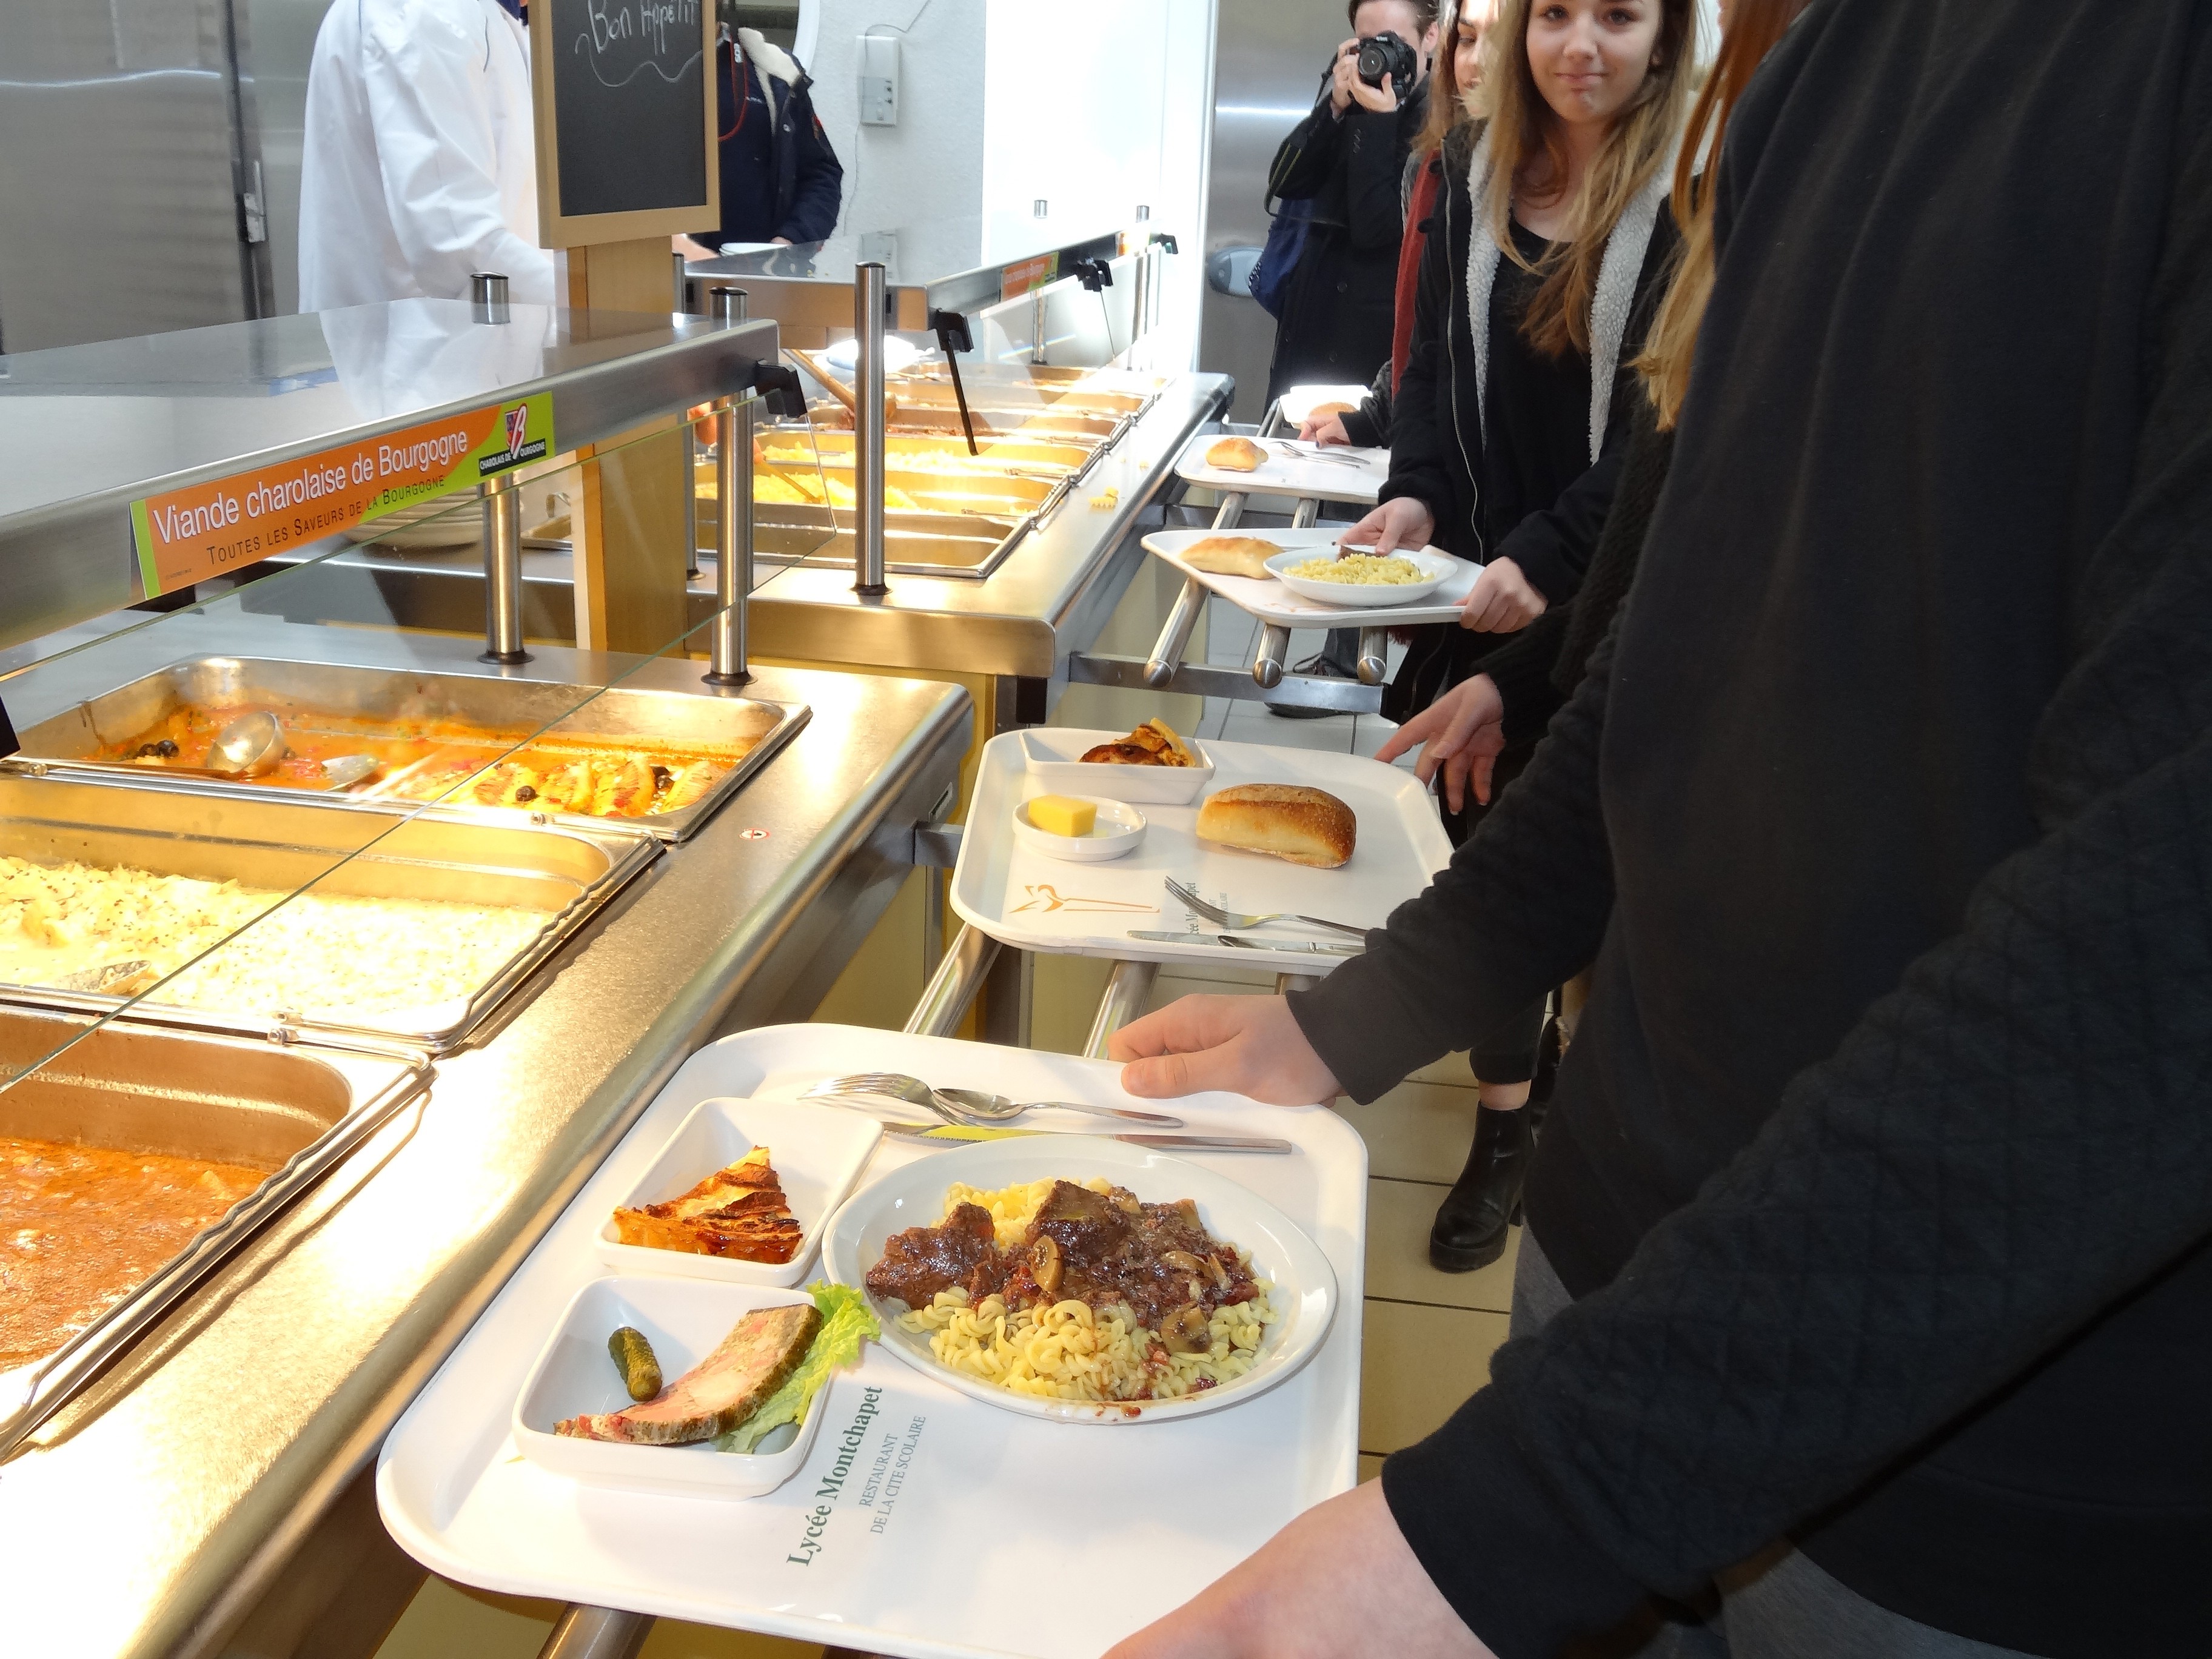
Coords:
pixel 276 44
pixel 128 155
pixel 1268 58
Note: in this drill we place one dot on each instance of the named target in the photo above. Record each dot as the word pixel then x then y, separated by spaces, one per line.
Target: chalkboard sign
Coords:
pixel 625 119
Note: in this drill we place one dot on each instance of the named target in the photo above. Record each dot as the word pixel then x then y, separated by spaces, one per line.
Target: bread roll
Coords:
pixel 1322 411
pixel 1232 555
pixel 1236 455
pixel 1287 820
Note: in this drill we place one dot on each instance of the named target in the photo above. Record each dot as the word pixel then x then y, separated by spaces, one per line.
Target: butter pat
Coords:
pixel 1057 814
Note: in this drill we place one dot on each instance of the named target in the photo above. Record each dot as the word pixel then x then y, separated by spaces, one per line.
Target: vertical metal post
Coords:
pixel 733 518
pixel 869 444
pixel 502 540
pixel 487 296
pixel 680 294
pixel 1128 988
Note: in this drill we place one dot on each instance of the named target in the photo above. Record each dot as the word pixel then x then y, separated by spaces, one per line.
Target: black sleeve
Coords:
pixel 1553 547
pixel 1620 545
pixel 1419 470
pixel 1368 425
pixel 1520 908
pixel 1374 168
pixel 1303 161
pixel 821 177
pixel 1764 1352
pixel 1520 668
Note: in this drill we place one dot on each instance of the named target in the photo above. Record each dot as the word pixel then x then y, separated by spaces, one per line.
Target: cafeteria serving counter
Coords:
pixel 174 1498
pixel 153 1513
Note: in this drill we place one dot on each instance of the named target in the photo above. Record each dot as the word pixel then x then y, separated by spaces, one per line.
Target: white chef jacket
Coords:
pixel 421 163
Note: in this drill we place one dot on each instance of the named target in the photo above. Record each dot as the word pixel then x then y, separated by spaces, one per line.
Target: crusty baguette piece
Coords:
pixel 1287 820
pixel 1232 555
pixel 1236 455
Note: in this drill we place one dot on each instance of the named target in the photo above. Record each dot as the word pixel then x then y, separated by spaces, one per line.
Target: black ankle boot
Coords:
pixel 1471 1222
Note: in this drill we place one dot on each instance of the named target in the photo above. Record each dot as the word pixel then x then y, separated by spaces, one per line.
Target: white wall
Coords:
pixel 1098 108
pixel 923 178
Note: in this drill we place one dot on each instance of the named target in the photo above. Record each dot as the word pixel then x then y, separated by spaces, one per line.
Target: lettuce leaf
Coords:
pixel 846 1322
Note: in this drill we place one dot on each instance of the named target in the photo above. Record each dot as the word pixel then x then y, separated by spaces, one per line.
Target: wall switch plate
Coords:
pixel 879 80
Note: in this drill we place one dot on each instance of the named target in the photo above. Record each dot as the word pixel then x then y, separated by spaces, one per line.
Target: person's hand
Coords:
pixel 1382 100
pixel 1502 602
pixel 1248 1046
pixel 779 241
pixel 1462 732
pixel 1339 1579
pixel 1345 76
pixel 1324 430
pixel 1403 522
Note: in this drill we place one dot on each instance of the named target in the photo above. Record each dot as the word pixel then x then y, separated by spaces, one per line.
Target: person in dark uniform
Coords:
pixel 1345 164
pixel 781 182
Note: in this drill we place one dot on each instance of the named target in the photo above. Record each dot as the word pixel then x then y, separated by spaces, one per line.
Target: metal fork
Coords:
pixel 965 1105
pixel 1316 453
pixel 1221 918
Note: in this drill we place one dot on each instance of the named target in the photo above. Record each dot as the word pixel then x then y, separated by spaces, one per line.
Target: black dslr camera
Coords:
pixel 1386 54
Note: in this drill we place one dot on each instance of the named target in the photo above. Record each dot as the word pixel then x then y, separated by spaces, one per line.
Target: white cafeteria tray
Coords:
pixel 949 1530
pixel 1023 898
pixel 1289 470
pixel 1270 601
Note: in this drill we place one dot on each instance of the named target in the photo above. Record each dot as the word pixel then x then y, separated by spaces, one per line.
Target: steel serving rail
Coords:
pixel 65 539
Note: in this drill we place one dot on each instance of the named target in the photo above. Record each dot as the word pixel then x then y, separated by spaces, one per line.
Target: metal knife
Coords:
pixel 1247 943
pixel 950 1133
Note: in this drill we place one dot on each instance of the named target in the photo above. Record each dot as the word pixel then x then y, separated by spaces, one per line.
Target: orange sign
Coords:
pixel 204 530
pixel 1021 277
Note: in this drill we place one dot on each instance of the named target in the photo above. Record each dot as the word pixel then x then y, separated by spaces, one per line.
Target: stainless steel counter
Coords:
pixel 1049 598
pixel 151 1514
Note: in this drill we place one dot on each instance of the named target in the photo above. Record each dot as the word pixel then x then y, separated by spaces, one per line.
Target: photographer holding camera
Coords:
pixel 1345 165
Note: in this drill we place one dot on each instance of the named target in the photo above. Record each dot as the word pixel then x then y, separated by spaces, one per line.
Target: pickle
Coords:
pixel 633 1357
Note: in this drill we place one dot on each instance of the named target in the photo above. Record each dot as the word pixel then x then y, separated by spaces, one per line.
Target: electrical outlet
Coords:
pixel 879 80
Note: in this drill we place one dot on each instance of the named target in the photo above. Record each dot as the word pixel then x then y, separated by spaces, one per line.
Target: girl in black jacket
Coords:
pixel 1548 250
pixel 1345 164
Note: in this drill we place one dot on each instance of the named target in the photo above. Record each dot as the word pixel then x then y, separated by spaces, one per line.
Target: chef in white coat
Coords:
pixel 420 165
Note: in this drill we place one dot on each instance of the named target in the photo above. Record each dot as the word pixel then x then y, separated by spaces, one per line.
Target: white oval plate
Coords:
pixel 1119 831
pixel 913 1195
pixel 1437 567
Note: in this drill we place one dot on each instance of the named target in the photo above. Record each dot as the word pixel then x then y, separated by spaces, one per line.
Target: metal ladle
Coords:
pixel 251 746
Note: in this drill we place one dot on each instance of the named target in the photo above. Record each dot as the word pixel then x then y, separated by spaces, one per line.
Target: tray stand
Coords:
pixel 1164 669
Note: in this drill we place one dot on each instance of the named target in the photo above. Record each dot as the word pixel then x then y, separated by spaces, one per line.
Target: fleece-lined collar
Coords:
pixel 1609 306
pixel 774 63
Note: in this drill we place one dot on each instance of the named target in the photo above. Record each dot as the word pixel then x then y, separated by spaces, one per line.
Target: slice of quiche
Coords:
pixel 739 1212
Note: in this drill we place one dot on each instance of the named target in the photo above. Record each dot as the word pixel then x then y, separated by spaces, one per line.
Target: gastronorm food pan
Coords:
pixel 440 854
pixel 295 1111
pixel 371 699
pixel 1047 457
pixel 1015 399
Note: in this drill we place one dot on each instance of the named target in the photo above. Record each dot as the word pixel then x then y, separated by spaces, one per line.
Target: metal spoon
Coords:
pixel 967 1105
pixel 249 747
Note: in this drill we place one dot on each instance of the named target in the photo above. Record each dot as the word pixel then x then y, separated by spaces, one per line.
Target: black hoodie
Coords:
pixel 1881 1163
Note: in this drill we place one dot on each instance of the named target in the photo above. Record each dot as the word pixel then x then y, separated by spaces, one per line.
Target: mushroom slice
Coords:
pixel 1186 1331
pixel 1045 1264
pixel 1183 1261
